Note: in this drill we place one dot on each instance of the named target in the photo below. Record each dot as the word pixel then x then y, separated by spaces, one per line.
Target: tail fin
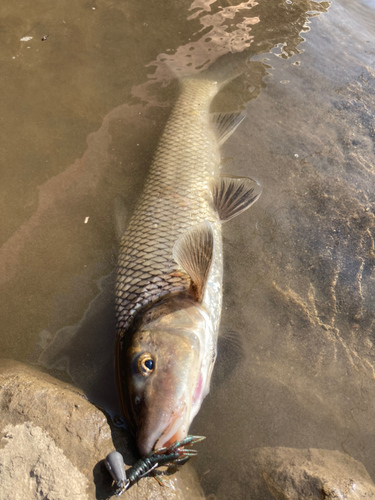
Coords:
pixel 222 71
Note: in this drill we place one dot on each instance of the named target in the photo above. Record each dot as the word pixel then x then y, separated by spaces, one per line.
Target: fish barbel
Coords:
pixel 169 279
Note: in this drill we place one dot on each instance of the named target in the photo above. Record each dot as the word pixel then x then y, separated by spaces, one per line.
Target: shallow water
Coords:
pixel 81 113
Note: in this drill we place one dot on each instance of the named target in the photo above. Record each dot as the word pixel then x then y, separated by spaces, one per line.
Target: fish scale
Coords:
pixel 176 197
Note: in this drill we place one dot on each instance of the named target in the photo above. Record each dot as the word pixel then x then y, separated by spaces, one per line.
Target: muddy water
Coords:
pixel 80 116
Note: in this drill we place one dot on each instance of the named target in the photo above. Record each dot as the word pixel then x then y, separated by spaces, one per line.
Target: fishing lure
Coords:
pixel 116 467
pixel 173 456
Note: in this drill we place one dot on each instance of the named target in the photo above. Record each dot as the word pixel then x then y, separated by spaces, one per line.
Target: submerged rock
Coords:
pixel 292 474
pixel 53 442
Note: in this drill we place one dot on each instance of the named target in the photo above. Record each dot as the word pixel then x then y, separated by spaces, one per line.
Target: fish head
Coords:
pixel 166 378
pixel 164 366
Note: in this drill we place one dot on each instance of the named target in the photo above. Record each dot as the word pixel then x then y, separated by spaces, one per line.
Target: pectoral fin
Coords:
pixel 233 195
pixel 193 251
pixel 225 124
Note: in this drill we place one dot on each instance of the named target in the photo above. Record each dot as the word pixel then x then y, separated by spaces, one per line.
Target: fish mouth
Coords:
pixel 176 430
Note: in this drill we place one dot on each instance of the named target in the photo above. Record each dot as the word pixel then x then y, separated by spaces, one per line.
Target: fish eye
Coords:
pixel 146 364
pixel 137 400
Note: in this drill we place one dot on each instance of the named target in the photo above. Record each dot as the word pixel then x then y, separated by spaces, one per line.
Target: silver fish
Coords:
pixel 169 281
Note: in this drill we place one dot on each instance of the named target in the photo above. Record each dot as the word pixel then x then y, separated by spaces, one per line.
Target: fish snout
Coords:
pixel 145 444
pixel 174 430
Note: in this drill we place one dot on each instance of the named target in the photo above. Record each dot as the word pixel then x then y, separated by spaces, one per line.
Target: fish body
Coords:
pixel 169 280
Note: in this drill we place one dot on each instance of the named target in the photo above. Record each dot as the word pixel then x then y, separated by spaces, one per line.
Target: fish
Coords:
pixel 170 271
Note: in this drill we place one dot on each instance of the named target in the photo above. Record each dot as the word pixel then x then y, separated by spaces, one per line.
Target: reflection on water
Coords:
pixel 82 112
pixel 243 30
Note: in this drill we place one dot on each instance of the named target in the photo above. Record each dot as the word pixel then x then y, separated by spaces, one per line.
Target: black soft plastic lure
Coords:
pixel 172 456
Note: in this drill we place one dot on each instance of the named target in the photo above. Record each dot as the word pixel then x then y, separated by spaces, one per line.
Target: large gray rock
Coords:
pixel 32 466
pixel 310 474
pixel 53 442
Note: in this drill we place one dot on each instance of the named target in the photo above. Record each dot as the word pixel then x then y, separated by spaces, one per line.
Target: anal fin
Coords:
pixel 233 195
pixel 225 124
pixel 193 251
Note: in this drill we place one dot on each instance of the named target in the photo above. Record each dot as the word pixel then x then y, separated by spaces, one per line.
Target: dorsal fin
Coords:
pixel 225 124
pixel 193 251
pixel 120 216
pixel 233 195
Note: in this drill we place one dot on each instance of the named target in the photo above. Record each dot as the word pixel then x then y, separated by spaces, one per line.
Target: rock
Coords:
pixel 28 466
pixel 40 419
pixel 311 474
pixel 53 442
